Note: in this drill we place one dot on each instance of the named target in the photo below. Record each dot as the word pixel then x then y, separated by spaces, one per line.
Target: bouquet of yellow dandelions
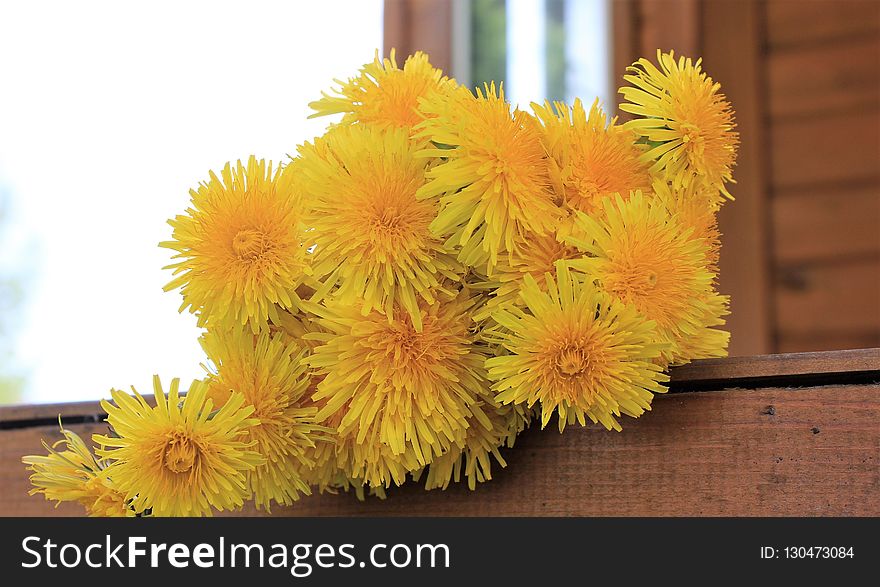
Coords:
pixel 402 297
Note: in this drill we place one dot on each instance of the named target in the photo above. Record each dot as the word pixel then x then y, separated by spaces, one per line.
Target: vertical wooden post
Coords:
pixel 420 25
pixel 624 45
pixel 670 25
pixel 733 54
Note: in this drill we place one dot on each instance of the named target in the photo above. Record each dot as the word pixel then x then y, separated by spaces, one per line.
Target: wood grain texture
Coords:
pixel 731 369
pixel 817 80
pixel 794 23
pixel 625 47
pixel 819 363
pixel 419 25
pixel 821 341
pixel 823 102
pixel 697 454
pixel 14 444
pixel 26 412
pixel 732 54
pixel 669 25
pixel 771 452
pixel 838 297
pixel 768 451
pixel 826 225
pixel 831 149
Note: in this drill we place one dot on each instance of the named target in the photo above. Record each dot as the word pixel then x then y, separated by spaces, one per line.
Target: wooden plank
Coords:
pixel 624 46
pixel 395 19
pixel 773 452
pixel 14 444
pixel 27 412
pixel 733 370
pixel 823 79
pixel 787 369
pixel 419 25
pixel 840 297
pixel 829 149
pixel 670 25
pixel 826 224
pixel 820 341
pixel 800 22
pixel 732 55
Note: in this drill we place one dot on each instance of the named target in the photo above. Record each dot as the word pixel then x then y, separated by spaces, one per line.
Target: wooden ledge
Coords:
pixel 786 370
pixel 777 435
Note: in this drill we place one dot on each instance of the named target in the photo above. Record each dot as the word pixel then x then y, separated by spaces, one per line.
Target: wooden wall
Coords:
pixel 823 109
pixel 801 253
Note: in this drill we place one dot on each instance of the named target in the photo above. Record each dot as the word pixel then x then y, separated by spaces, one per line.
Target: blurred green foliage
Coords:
pixel 556 50
pixel 488 42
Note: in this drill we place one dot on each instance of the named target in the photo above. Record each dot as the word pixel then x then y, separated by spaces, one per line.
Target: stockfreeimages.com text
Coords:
pixel 300 559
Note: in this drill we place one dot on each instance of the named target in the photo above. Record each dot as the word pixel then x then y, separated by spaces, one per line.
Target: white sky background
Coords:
pixel 109 113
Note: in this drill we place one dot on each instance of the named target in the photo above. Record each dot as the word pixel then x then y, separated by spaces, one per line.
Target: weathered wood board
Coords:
pixel 777 435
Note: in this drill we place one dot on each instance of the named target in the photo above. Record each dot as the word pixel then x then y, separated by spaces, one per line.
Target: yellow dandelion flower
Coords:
pixel 74 474
pixel 406 395
pixel 269 372
pixel 645 257
pixel 362 489
pixel 338 462
pixel 371 234
pixel 536 256
pixel 576 351
pixel 319 468
pixel 687 122
pixel 590 158
pixel 293 327
pixel 341 462
pixel 473 461
pixel 350 462
pixel 179 458
pixel 696 209
pixel 241 246
pixel 709 342
pixel 383 94
pixel 493 185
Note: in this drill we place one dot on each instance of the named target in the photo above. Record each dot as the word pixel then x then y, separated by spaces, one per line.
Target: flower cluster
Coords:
pixel 408 292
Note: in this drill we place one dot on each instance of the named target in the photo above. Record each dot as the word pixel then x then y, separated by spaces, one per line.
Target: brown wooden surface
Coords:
pixel 728 35
pixel 799 23
pixel 812 341
pixel 818 79
pixel 24 412
pixel 625 46
pixel 14 484
pixel 779 450
pixel 829 149
pixel 669 25
pixel 823 91
pixel 420 25
pixel 771 452
pixel 732 55
pixel 851 215
pixel 736 369
pixel 833 297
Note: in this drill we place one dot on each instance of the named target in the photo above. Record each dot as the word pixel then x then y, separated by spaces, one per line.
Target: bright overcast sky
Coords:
pixel 109 113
